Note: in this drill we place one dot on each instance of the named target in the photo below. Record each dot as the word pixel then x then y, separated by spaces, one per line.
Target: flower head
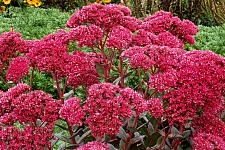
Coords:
pixel 49 55
pixel 104 16
pixel 18 68
pixel 71 111
pixel 206 141
pixel 6 1
pixel 94 145
pixel 194 85
pixel 11 43
pixel 161 57
pixel 87 36
pixel 163 21
pixel 119 37
pixel 82 70
pixel 106 108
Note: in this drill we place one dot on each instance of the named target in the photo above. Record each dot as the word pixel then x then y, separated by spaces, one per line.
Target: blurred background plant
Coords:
pixel 5 4
pixel 204 12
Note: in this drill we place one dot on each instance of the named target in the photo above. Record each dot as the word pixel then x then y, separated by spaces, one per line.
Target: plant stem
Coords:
pixel 58 88
pixel 121 69
pixel 71 133
pixel 31 78
pixel 7 85
pixel 164 139
pixel 130 133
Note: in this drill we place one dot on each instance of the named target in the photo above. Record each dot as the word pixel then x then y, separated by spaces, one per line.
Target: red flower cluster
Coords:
pixel 82 70
pixel 94 146
pixel 50 54
pixel 87 36
pixel 107 106
pixel 165 22
pixel 35 111
pixel 72 112
pixel 6 102
pixel 18 68
pixel 155 107
pixel 11 42
pixel 137 102
pixel 161 57
pixel 209 124
pixel 104 16
pixel 30 137
pixel 203 141
pixel 119 37
pixel 197 84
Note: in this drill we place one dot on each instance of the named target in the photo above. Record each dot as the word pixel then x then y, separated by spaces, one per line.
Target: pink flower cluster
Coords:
pixel 107 106
pixel 155 107
pixel 48 55
pixel 203 141
pixel 30 137
pixel 87 36
pixel 161 57
pixel 137 102
pixel 72 111
pixel 144 38
pixel 11 43
pixel 27 107
pixel 94 146
pixel 20 106
pixel 18 68
pixel 165 22
pixel 119 37
pixel 104 16
pixel 196 84
pixel 209 124
pixel 82 70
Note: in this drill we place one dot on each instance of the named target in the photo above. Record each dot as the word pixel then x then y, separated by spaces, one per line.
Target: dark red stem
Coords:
pixel 5 82
pixel 31 78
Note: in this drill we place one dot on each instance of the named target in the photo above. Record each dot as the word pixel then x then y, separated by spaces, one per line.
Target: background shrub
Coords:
pixel 33 23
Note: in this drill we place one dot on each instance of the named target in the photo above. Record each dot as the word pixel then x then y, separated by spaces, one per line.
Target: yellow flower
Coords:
pixel 37 4
pixel 6 1
pixel 31 2
pixel 2 9
pixel 106 1
pixel 98 1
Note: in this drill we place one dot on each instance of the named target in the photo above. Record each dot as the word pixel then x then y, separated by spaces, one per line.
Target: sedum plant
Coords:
pixel 134 86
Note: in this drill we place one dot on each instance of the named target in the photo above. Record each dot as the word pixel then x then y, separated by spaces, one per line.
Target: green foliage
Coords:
pixel 33 23
pixel 210 38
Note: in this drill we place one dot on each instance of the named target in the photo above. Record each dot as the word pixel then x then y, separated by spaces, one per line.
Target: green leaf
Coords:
pixel 122 134
pixel 186 133
pixel 99 68
pixel 121 145
pixel 84 136
pixel 159 141
pixel 111 147
pixel 68 95
pixel 150 129
pixel 137 138
pixel 61 137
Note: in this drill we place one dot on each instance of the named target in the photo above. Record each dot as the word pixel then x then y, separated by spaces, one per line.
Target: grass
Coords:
pixel 211 38
pixel 33 23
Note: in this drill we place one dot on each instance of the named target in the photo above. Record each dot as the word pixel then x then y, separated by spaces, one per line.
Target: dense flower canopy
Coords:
pixel 195 85
pixel 103 55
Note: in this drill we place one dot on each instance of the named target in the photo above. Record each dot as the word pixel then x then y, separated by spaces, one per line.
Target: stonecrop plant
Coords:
pixel 122 83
